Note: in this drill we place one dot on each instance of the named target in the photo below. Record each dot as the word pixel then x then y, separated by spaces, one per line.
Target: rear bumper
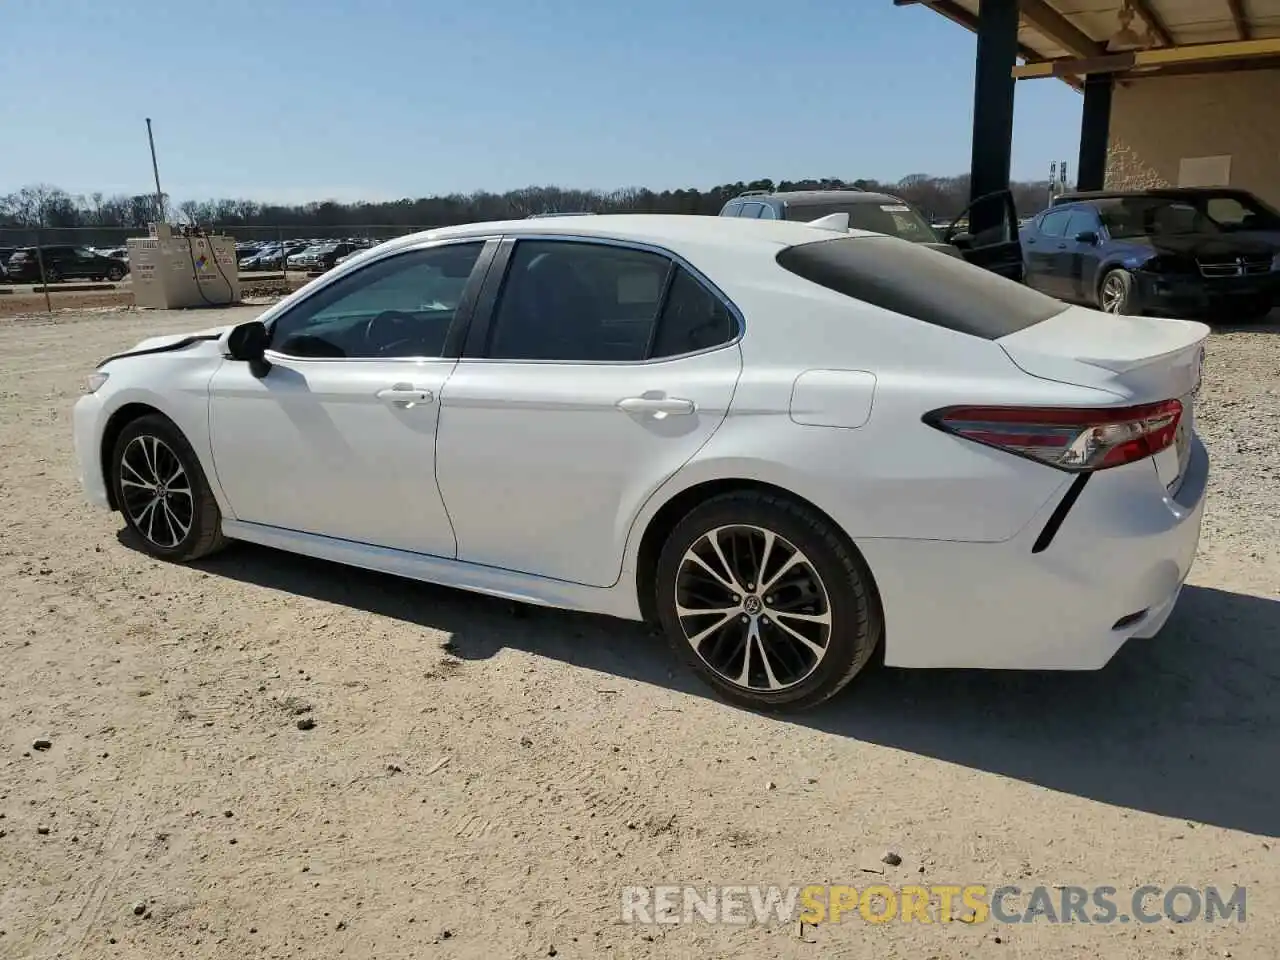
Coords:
pixel 1120 557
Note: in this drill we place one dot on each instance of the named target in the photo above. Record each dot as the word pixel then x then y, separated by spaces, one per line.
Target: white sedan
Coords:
pixel 789 445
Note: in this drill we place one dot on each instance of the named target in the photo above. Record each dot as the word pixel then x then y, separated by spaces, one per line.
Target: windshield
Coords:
pixel 1194 213
pixel 891 217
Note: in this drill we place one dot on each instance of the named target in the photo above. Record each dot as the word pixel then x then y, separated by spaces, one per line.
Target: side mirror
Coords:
pixel 247 342
pixel 962 239
pixel 1087 236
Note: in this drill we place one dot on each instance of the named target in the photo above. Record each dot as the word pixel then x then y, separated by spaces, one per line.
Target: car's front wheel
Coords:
pixel 766 601
pixel 115 274
pixel 162 491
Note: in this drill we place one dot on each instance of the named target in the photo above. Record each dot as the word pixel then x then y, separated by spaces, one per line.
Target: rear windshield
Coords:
pixel 921 283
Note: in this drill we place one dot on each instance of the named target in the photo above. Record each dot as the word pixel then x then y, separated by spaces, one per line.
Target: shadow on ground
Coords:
pixel 1186 725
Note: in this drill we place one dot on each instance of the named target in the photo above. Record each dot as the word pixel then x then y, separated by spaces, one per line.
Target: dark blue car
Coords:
pixel 1180 252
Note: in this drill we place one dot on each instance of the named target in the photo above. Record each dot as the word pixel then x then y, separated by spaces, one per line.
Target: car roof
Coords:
pixel 675 232
pixel 804 198
pixel 1172 193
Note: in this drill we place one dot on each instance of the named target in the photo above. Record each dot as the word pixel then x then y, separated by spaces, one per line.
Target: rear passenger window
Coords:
pixel 571 301
pixel 693 319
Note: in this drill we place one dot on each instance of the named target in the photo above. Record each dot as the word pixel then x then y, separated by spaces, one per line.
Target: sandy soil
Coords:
pixel 480 780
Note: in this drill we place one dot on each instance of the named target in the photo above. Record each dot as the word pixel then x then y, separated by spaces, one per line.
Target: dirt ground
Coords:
pixel 481 779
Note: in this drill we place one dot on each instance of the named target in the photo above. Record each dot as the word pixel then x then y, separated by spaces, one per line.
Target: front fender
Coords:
pixel 185 401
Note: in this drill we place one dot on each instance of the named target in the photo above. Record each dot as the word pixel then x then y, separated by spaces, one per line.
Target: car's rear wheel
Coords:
pixel 162 491
pixel 1116 295
pixel 52 275
pixel 766 601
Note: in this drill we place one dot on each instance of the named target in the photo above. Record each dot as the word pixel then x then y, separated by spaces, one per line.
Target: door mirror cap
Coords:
pixel 247 342
pixel 961 240
pixel 1087 236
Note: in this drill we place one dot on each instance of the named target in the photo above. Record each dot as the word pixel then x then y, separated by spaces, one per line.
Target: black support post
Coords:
pixel 993 102
pixel 1095 130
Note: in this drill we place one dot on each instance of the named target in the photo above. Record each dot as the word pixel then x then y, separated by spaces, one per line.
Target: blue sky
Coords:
pixel 290 101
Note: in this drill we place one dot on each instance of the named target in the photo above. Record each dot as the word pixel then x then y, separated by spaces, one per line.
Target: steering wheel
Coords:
pixel 388 330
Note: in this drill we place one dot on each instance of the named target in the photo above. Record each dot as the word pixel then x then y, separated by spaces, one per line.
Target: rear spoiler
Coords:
pixel 838 222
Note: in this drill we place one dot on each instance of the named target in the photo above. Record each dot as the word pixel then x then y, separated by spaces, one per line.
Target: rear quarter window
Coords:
pixel 924 284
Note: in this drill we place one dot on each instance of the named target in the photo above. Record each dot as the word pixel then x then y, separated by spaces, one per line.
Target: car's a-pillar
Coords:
pixel 993 92
pixel 1095 132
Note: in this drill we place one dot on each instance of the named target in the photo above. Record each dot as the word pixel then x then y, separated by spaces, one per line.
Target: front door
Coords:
pixel 990 239
pixel 600 370
pixel 1080 262
pixel 338 437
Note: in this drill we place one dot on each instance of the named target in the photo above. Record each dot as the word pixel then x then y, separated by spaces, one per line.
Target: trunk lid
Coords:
pixel 1136 359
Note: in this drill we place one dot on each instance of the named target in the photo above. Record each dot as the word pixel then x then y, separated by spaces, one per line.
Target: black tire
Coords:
pixel 843 582
pixel 51 275
pixel 155 439
pixel 1116 293
pixel 115 274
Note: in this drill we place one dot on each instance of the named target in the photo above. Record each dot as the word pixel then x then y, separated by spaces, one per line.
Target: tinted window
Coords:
pixel 731 210
pixel 751 210
pixel 767 212
pixel 1055 224
pixel 891 217
pixel 693 318
pixel 1081 220
pixel 564 300
pixel 398 307
pixel 921 283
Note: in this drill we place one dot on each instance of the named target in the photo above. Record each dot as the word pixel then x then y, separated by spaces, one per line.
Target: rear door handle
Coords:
pixel 658 407
pixel 405 395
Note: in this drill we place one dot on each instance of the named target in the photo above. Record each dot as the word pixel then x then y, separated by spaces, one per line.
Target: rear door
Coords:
pixel 991 238
pixel 593 371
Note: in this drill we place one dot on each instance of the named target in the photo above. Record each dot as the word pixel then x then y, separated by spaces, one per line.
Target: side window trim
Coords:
pixel 482 316
pixel 457 327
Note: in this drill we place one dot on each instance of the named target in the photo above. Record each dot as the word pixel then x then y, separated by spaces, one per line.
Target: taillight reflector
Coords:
pixel 1070 438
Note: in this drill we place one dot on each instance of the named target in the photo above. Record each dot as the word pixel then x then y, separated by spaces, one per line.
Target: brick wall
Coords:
pixel 1157 122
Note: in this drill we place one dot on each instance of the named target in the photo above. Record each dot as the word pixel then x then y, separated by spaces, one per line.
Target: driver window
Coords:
pixel 398 307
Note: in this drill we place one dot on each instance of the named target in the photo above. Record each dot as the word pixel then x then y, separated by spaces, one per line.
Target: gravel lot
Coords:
pixel 481 779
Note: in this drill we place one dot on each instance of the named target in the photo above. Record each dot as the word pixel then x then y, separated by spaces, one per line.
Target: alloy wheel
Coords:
pixel 156 491
pixel 753 608
pixel 1113 293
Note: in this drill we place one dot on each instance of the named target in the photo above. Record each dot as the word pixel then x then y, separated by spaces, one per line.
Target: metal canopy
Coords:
pixel 1070 39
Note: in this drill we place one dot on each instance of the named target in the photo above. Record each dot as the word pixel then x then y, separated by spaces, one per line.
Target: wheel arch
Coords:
pixel 1100 277
pixel 664 520
pixel 121 418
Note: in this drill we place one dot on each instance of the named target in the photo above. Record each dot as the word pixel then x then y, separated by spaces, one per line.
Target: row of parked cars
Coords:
pixel 308 255
pixel 62 262
pixel 1179 252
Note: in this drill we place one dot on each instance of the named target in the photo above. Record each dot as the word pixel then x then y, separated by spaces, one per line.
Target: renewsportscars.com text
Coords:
pixel 936 903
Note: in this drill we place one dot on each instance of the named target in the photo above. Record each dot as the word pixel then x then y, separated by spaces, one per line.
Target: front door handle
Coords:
pixel 405 395
pixel 658 407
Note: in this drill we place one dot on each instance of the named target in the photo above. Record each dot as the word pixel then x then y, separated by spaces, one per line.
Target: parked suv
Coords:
pixel 1183 253
pixel 64 263
pixel 995 247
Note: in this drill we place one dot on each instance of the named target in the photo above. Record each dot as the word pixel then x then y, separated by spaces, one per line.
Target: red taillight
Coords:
pixel 1071 438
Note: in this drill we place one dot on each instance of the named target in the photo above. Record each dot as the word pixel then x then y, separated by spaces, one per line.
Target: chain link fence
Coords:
pixel 51 257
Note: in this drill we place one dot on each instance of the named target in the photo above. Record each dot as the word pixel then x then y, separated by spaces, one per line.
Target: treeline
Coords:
pixel 44 206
